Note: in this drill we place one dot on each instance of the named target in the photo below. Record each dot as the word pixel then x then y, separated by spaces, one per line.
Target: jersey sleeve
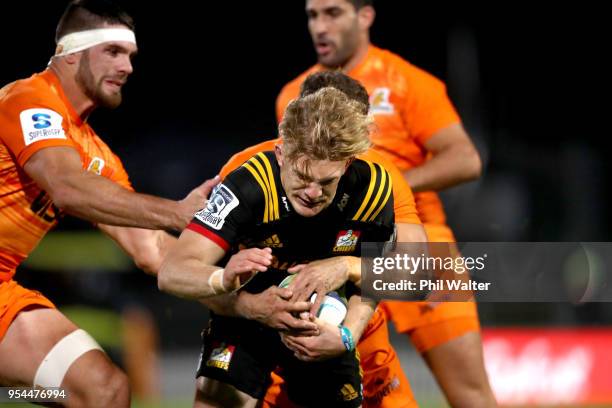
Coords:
pixel 427 107
pixel 229 211
pixel 403 198
pixel 119 175
pixel 31 120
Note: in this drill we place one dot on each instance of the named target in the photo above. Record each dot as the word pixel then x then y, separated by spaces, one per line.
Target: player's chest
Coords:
pixel 309 239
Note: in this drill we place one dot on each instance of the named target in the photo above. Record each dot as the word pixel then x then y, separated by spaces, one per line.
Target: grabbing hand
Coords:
pixel 245 264
pixel 273 308
pixel 195 201
pixel 326 345
pixel 320 277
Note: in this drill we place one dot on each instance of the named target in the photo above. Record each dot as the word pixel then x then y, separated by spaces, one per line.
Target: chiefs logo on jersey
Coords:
pixel 346 241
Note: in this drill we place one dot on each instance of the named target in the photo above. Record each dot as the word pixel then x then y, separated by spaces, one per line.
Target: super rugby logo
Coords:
pixel 221 203
pixel 41 124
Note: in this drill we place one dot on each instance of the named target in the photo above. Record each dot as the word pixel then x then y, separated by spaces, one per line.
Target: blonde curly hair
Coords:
pixel 325 125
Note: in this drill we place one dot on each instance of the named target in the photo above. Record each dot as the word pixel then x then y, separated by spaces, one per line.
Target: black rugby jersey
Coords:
pixel 251 209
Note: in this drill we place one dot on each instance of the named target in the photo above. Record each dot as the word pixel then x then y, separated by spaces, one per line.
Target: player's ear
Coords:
pixel 278 152
pixel 72 59
pixel 348 163
pixel 366 16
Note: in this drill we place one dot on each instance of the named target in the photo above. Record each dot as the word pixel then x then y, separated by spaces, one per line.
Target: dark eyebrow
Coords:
pixel 122 49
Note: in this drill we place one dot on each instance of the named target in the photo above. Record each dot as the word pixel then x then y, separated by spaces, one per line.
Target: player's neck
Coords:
pixel 358 56
pixel 81 103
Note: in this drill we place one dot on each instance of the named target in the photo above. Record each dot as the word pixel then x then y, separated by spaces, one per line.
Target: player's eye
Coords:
pixel 112 51
pixel 334 12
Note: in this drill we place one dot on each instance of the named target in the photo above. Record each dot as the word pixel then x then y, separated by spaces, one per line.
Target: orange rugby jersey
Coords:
pixel 35 114
pixel 404 206
pixel 409 106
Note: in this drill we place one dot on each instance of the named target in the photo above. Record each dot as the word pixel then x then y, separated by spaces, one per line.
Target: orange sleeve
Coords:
pixel 427 108
pixel 30 120
pixel 239 158
pixel 404 206
pixel 286 95
pixel 119 175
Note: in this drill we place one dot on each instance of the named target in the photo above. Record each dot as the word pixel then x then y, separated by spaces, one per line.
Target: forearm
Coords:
pixel 360 310
pixel 192 281
pixel 147 248
pixel 354 269
pixel 100 200
pixel 445 169
pixel 224 305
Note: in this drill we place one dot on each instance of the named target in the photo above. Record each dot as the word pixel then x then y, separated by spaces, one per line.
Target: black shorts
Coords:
pixel 243 353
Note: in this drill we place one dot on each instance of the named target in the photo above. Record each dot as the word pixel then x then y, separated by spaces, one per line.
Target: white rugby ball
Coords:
pixel 333 309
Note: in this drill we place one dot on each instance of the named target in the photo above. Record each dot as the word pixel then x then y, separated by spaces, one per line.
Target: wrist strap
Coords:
pixel 215 282
pixel 347 338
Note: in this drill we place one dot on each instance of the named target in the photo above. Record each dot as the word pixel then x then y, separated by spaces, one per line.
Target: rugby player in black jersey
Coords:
pixel 294 205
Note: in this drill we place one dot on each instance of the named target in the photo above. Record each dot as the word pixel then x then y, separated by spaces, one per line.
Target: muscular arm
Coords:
pixel 146 247
pixel 454 160
pixel 188 267
pixel 58 171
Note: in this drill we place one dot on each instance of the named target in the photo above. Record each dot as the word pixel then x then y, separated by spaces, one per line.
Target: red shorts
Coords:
pixel 13 299
pixel 384 383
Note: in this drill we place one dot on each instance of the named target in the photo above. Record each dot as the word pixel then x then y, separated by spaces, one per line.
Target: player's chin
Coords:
pixel 305 211
pixel 110 100
pixel 329 59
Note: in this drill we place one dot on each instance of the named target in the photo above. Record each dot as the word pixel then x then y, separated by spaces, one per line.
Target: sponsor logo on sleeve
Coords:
pixel 96 165
pixel 221 203
pixel 41 124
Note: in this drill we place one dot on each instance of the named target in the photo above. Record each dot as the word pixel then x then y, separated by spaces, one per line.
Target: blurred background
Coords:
pixel 529 84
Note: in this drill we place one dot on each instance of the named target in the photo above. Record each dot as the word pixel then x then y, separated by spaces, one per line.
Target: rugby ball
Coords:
pixel 333 309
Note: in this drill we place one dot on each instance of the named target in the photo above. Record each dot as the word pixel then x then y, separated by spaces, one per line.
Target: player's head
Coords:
pixel 336 79
pixel 339 29
pixel 322 133
pixel 96 39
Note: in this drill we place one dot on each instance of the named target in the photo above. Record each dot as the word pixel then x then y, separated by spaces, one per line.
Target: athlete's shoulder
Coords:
pixel 369 186
pixel 33 90
pixel 257 181
pixel 241 157
pixel 396 64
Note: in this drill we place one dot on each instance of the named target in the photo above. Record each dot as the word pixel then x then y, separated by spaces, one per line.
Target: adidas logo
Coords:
pixel 272 242
pixel 348 392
